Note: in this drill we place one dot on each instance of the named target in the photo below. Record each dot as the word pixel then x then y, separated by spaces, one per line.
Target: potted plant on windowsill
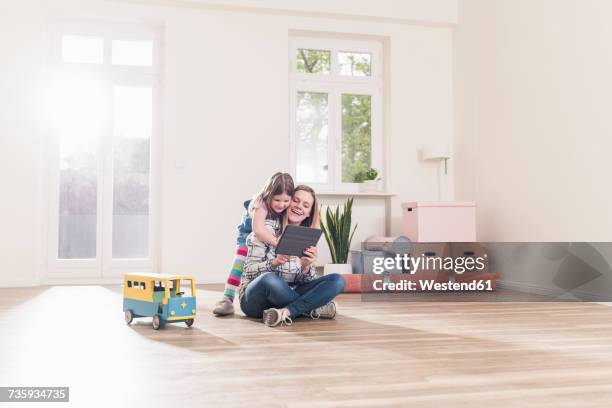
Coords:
pixel 369 180
pixel 337 230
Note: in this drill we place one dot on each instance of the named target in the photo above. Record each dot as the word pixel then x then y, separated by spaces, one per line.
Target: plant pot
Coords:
pixel 337 268
pixel 370 186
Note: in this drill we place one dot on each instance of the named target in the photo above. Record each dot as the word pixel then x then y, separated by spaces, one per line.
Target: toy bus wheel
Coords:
pixel 189 322
pixel 128 316
pixel 157 322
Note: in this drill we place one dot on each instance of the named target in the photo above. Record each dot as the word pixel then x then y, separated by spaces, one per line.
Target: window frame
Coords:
pixel 335 85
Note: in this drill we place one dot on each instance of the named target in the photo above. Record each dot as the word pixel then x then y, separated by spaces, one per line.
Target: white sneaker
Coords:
pixel 223 308
pixel 327 311
pixel 273 317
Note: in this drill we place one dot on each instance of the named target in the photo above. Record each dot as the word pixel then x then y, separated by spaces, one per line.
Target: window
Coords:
pixel 355 63
pixel 103 122
pixel 82 49
pixel 132 53
pixel 313 61
pixel 336 111
pixel 312 138
pixel 185 286
pixel 129 284
pixel 133 114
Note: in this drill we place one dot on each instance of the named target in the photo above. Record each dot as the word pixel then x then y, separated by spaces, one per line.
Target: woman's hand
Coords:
pixel 280 259
pixel 310 256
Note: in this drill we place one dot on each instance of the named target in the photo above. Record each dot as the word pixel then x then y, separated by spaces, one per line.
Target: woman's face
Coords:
pixel 300 207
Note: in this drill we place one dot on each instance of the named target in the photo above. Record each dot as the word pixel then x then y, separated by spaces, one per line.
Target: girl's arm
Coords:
pixel 260 256
pixel 259 259
pixel 259 228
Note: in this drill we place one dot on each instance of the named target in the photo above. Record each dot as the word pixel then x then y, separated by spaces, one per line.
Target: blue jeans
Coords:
pixel 269 290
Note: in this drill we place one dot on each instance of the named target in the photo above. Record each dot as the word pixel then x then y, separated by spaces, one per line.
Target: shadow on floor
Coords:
pixel 381 330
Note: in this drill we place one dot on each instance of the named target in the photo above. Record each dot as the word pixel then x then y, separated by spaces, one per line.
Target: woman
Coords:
pixel 279 287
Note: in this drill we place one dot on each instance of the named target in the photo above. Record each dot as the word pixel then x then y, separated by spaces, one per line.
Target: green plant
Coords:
pixel 361 176
pixel 371 174
pixel 337 231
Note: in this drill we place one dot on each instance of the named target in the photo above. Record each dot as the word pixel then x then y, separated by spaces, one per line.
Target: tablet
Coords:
pixel 296 239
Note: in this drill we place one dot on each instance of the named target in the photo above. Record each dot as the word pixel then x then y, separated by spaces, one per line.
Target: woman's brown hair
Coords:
pixel 312 220
pixel 279 183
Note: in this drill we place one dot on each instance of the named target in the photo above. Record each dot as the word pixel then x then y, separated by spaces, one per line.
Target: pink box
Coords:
pixel 439 221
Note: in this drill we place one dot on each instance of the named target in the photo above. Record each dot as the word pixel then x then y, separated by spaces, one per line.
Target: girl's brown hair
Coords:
pixel 279 183
pixel 312 220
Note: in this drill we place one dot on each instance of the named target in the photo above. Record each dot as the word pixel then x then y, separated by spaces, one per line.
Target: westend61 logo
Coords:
pixel 411 264
pixel 425 263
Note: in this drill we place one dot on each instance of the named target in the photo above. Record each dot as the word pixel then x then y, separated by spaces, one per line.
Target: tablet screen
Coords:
pixel 296 239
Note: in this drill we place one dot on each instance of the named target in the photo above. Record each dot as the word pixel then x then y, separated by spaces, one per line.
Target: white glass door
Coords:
pixel 129 227
pixel 102 126
pixel 132 122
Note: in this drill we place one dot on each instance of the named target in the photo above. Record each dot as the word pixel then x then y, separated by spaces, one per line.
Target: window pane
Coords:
pixel 313 61
pixel 186 287
pixel 312 134
pixel 81 49
pixel 133 119
pixel 134 53
pixel 355 63
pixel 78 113
pixel 356 135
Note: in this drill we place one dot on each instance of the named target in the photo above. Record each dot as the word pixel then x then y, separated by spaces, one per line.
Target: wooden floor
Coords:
pixel 423 354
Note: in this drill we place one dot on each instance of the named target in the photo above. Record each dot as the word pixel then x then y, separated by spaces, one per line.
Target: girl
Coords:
pixel 269 204
pixel 280 288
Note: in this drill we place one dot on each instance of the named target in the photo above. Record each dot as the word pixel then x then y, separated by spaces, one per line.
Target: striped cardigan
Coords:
pixel 259 260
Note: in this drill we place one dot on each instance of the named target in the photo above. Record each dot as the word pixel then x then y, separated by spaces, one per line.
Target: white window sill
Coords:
pixel 353 193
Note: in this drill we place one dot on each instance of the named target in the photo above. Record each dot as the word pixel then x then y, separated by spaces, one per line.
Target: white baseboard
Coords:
pixel 82 281
pixel 19 282
pixel 548 291
pixel 117 280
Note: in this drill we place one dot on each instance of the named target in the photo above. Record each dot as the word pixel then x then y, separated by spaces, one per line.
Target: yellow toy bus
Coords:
pixel 165 298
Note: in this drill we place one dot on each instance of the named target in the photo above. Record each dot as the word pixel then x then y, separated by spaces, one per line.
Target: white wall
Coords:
pixel 430 11
pixel 533 97
pixel 220 118
pixel 202 131
pixel 21 52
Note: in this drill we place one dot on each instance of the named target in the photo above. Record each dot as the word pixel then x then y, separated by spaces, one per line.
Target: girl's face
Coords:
pixel 300 207
pixel 280 202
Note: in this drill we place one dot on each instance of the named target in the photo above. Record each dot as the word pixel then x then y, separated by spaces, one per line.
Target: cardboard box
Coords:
pixel 440 221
